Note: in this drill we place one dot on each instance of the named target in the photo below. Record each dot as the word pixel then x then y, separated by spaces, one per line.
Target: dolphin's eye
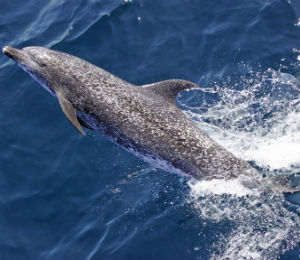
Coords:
pixel 43 65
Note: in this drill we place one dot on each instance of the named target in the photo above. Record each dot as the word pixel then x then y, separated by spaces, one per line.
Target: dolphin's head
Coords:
pixel 41 63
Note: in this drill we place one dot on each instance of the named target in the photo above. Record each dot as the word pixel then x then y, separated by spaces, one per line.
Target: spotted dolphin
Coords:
pixel 142 119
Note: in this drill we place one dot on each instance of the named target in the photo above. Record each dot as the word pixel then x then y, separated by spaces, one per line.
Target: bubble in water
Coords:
pixel 262 225
pixel 257 117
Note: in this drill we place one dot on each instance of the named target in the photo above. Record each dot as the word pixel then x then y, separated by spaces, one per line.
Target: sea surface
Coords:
pixel 66 196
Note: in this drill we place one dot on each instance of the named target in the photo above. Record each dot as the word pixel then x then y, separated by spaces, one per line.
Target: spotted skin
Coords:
pixel 142 119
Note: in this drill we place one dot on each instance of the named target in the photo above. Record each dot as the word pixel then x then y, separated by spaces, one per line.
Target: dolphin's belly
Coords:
pixel 169 143
pixel 136 147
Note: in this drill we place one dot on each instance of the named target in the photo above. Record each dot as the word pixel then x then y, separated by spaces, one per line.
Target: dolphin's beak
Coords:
pixel 13 53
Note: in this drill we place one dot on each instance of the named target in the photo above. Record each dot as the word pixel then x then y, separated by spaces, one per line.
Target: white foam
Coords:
pixel 261 224
pixel 279 148
pixel 261 227
pixel 273 140
pixel 218 187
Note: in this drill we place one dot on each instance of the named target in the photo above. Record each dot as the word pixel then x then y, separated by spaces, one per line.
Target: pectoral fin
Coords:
pixel 69 111
pixel 84 124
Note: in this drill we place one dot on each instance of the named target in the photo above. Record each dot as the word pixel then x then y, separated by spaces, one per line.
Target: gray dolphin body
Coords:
pixel 142 119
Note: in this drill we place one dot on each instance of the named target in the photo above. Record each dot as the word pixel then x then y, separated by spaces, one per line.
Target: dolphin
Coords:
pixel 144 120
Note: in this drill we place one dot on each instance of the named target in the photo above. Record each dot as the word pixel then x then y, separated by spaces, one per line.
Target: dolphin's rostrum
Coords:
pixel 142 119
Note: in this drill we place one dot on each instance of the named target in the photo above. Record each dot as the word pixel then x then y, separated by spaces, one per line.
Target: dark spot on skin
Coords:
pixel 43 65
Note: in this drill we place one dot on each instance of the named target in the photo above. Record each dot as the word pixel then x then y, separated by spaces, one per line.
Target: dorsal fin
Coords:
pixel 169 88
pixel 69 111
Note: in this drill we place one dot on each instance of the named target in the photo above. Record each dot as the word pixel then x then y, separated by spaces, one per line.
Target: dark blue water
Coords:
pixel 65 196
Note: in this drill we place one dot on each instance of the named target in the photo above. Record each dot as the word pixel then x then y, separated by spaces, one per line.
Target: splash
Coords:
pixel 257 118
pixel 219 187
pixel 262 226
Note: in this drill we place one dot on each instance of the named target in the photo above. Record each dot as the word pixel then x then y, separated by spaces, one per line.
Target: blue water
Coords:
pixel 65 196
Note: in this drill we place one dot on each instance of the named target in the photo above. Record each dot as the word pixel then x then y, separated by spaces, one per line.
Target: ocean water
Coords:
pixel 65 196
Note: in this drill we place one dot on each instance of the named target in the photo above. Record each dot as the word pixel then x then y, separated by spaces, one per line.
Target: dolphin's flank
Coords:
pixel 142 119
